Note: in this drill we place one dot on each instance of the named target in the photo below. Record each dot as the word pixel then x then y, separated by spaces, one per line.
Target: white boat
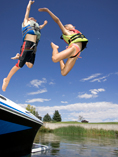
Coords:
pixel 18 128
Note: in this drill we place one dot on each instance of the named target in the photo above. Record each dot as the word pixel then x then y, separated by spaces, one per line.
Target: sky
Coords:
pixel 90 89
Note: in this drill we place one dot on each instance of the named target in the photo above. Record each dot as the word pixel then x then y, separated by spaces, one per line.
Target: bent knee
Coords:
pixel 54 59
pixel 64 73
pixel 30 66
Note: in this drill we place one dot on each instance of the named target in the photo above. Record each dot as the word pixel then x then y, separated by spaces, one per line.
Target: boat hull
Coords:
pixel 17 132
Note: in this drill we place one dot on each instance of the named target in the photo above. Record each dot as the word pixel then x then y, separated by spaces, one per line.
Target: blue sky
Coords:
pixel 91 87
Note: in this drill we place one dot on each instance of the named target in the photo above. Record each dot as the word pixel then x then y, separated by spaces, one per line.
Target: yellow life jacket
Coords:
pixel 74 38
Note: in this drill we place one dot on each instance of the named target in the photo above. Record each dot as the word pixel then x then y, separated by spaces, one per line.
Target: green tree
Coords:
pixel 57 116
pixel 32 110
pixel 47 118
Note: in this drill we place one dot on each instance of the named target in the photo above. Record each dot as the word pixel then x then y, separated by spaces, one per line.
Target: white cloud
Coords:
pixel 37 83
pixel 37 100
pixel 94 77
pixel 93 94
pixel 86 96
pixel 99 115
pixel 100 79
pixel 91 77
pixel 65 102
pixel 51 83
pixel 93 112
pixel 96 91
pixel 104 80
pixel 38 92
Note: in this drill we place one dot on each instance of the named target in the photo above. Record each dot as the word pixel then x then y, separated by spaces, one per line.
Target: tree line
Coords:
pixel 55 118
pixel 47 118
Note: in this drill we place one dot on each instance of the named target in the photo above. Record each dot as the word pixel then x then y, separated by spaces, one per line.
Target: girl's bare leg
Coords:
pixel 57 57
pixel 7 79
pixel 62 65
pixel 66 68
pixel 55 51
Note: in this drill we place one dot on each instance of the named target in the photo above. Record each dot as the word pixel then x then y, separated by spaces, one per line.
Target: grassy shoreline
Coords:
pixel 77 130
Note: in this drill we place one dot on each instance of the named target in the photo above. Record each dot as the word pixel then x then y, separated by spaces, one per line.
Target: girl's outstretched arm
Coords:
pixel 55 18
pixel 28 11
pixel 43 25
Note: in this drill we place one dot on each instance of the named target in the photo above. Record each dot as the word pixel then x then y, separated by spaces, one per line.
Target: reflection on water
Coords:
pixel 76 146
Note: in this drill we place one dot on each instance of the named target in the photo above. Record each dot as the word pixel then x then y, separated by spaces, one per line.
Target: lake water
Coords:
pixel 76 146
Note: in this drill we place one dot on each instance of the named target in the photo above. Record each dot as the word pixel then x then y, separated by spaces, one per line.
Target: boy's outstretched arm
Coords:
pixel 43 25
pixel 28 10
pixel 55 18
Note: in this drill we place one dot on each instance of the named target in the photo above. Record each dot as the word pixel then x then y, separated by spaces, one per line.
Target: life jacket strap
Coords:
pixel 30 28
pixel 36 28
pixel 75 37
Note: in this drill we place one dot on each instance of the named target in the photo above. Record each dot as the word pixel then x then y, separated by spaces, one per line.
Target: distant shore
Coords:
pixel 98 126
pixel 86 129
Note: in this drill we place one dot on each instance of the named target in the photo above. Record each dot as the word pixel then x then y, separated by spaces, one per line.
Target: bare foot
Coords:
pixel 16 57
pixel 5 84
pixel 54 46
